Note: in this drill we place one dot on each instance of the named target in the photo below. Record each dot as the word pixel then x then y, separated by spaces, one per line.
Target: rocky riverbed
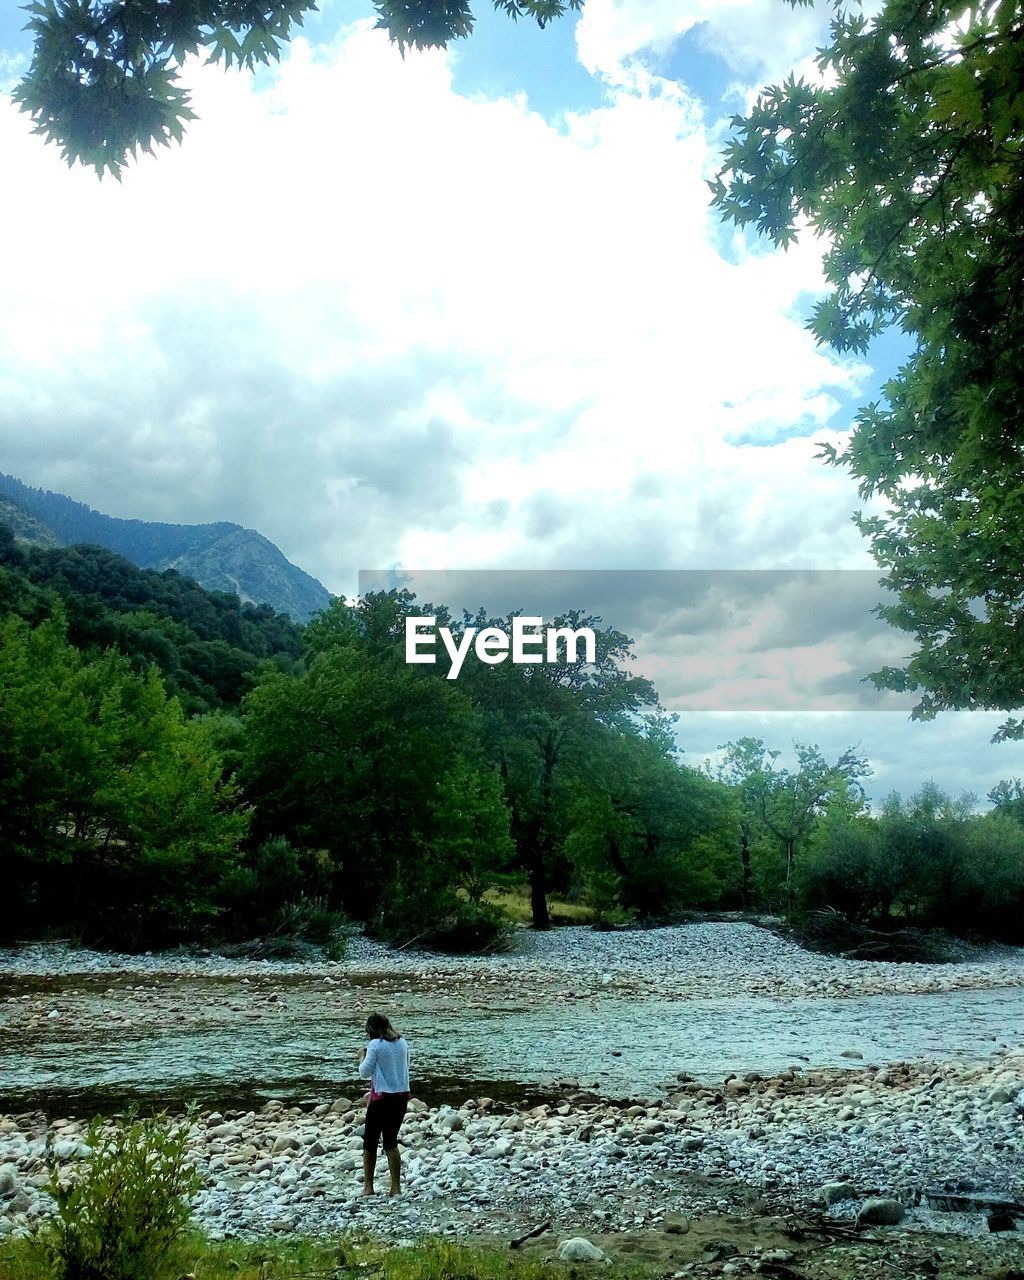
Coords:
pixel 931 1132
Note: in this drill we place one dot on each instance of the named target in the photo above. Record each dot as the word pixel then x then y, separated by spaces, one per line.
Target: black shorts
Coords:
pixel 383 1120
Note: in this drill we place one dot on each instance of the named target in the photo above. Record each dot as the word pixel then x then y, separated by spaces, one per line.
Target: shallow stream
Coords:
pixel 228 1044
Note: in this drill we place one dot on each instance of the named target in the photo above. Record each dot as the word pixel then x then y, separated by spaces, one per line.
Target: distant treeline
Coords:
pixel 177 767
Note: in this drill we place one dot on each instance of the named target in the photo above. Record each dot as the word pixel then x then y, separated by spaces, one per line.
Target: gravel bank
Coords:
pixel 773 1144
pixel 704 960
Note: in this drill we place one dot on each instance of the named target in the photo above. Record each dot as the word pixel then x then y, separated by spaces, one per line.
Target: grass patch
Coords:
pixel 516 905
pixel 346 1258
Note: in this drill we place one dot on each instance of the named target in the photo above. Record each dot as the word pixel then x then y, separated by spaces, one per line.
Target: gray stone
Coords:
pixel 71 1149
pixel 833 1192
pixel 880 1212
pixel 778 1256
pixel 579 1249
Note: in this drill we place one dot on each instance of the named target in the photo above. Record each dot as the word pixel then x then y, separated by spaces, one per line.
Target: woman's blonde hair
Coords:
pixel 378 1027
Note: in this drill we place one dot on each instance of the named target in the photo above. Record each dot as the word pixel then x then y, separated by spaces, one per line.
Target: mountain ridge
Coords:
pixel 220 556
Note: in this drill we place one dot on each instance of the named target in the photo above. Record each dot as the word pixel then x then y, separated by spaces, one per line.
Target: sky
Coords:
pixel 466 310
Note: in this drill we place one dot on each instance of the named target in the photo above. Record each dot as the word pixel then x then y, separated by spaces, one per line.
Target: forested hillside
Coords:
pixel 206 644
pixel 221 556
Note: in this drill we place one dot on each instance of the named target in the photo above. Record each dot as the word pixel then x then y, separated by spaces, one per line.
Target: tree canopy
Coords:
pixel 105 77
pixel 905 156
pixel 357 784
pixel 786 804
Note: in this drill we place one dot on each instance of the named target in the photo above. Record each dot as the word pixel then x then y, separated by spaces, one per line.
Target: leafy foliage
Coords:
pixel 649 835
pixel 124 1207
pixel 785 805
pixel 114 814
pixel 907 160
pixel 382 768
pixel 104 82
pixel 928 861
pixel 207 644
pixel 364 788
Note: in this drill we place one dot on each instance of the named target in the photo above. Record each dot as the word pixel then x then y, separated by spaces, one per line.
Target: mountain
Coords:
pixel 26 528
pixel 220 557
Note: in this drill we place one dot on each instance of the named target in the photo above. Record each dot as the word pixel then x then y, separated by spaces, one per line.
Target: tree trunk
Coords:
pixel 538 890
pixel 543 842
pixel 790 847
pixel 746 871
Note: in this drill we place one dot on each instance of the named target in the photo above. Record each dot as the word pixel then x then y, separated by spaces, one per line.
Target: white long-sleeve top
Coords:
pixel 387 1065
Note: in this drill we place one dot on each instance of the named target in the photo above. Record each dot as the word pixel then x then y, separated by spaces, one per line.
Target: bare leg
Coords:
pixel 395 1169
pixel 369 1164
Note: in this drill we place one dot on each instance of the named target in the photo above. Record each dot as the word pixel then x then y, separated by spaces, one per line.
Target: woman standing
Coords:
pixel 385 1063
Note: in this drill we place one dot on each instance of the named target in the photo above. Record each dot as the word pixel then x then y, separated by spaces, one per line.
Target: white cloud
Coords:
pixel 380 322
pixel 760 41
pixel 384 323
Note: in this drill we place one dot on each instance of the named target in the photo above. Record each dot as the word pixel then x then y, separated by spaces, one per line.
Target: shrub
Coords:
pixel 471 927
pixel 121 1211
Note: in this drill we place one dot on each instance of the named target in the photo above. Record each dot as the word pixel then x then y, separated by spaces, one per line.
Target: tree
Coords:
pixel 785 803
pixel 1007 798
pixel 648 833
pixel 928 861
pixel 542 724
pixel 114 814
pixel 907 160
pixel 383 768
pixel 105 76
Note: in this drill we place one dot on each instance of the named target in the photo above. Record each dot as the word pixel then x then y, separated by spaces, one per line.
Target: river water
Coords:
pixel 300 1045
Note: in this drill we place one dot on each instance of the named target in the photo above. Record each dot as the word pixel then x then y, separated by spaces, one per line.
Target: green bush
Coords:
pixel 121 1211
pixel 471 927
pixel 312 920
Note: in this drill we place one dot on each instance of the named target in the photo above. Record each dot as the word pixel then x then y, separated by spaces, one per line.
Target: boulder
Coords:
pixel 579 1249
pixel 21 1203
pixel 880 1212
pixel 833 1192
